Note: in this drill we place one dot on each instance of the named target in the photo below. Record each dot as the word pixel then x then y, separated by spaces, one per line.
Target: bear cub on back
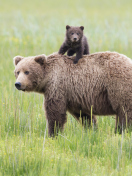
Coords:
pixel 75 42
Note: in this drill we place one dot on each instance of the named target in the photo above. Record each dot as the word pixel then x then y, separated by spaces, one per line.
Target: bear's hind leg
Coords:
pixel 86 119
pixel 123 121
pixel 129 120
pixel 118 128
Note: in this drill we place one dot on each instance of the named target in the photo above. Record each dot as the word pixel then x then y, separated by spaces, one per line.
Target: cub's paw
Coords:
pixel 75 61
pixel 61 53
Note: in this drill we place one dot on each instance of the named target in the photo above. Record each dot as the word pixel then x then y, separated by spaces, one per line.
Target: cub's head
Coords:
pixel 29 72
pixel 74 34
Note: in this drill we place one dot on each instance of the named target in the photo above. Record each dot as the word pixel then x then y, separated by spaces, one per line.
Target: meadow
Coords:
pixel 36 27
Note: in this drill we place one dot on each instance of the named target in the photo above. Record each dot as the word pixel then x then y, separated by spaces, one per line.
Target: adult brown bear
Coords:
pixel 102 81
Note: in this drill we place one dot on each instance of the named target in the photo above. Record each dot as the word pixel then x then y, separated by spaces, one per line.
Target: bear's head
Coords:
pixel 29 72
pixel 74 34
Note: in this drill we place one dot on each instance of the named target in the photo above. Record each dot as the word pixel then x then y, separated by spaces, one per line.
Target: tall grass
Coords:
pixel 36 27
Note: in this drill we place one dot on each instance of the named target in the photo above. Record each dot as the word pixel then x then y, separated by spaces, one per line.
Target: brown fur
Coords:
pixel 102 81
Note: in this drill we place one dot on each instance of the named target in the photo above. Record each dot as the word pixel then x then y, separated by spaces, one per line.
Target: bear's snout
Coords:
pixel 18 85
pixel 75 38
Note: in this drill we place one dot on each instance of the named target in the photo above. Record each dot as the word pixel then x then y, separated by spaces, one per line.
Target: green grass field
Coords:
pixel 36 27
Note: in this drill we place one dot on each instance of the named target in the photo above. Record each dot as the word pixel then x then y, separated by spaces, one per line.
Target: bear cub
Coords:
pixel 75 42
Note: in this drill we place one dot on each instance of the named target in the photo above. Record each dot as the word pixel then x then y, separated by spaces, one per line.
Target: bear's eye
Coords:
pixel 77 33
pixel 18 73
pixel 72 33
pixel 26 72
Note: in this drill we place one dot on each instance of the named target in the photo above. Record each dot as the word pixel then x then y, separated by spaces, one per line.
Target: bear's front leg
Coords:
pixel 63 49
pixel 79 55
pixel 55 115
pixel 70 52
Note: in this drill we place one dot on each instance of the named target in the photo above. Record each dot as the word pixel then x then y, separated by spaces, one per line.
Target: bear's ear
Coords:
pixel 17 59
pixel 82 27
pixel 41 59
pixel 67 27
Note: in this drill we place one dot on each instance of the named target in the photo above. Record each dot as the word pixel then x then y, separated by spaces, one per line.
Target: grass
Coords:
pixel 36 27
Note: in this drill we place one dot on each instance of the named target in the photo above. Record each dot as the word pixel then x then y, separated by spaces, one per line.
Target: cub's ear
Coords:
pixel 17 59
pixel 82 27
pixel 41 59
pixel 67 27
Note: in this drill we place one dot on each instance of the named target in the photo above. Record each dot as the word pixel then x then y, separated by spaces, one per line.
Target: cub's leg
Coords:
pixel 86 50
pixel 63 49
pixel 70 52
pixel 79 54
